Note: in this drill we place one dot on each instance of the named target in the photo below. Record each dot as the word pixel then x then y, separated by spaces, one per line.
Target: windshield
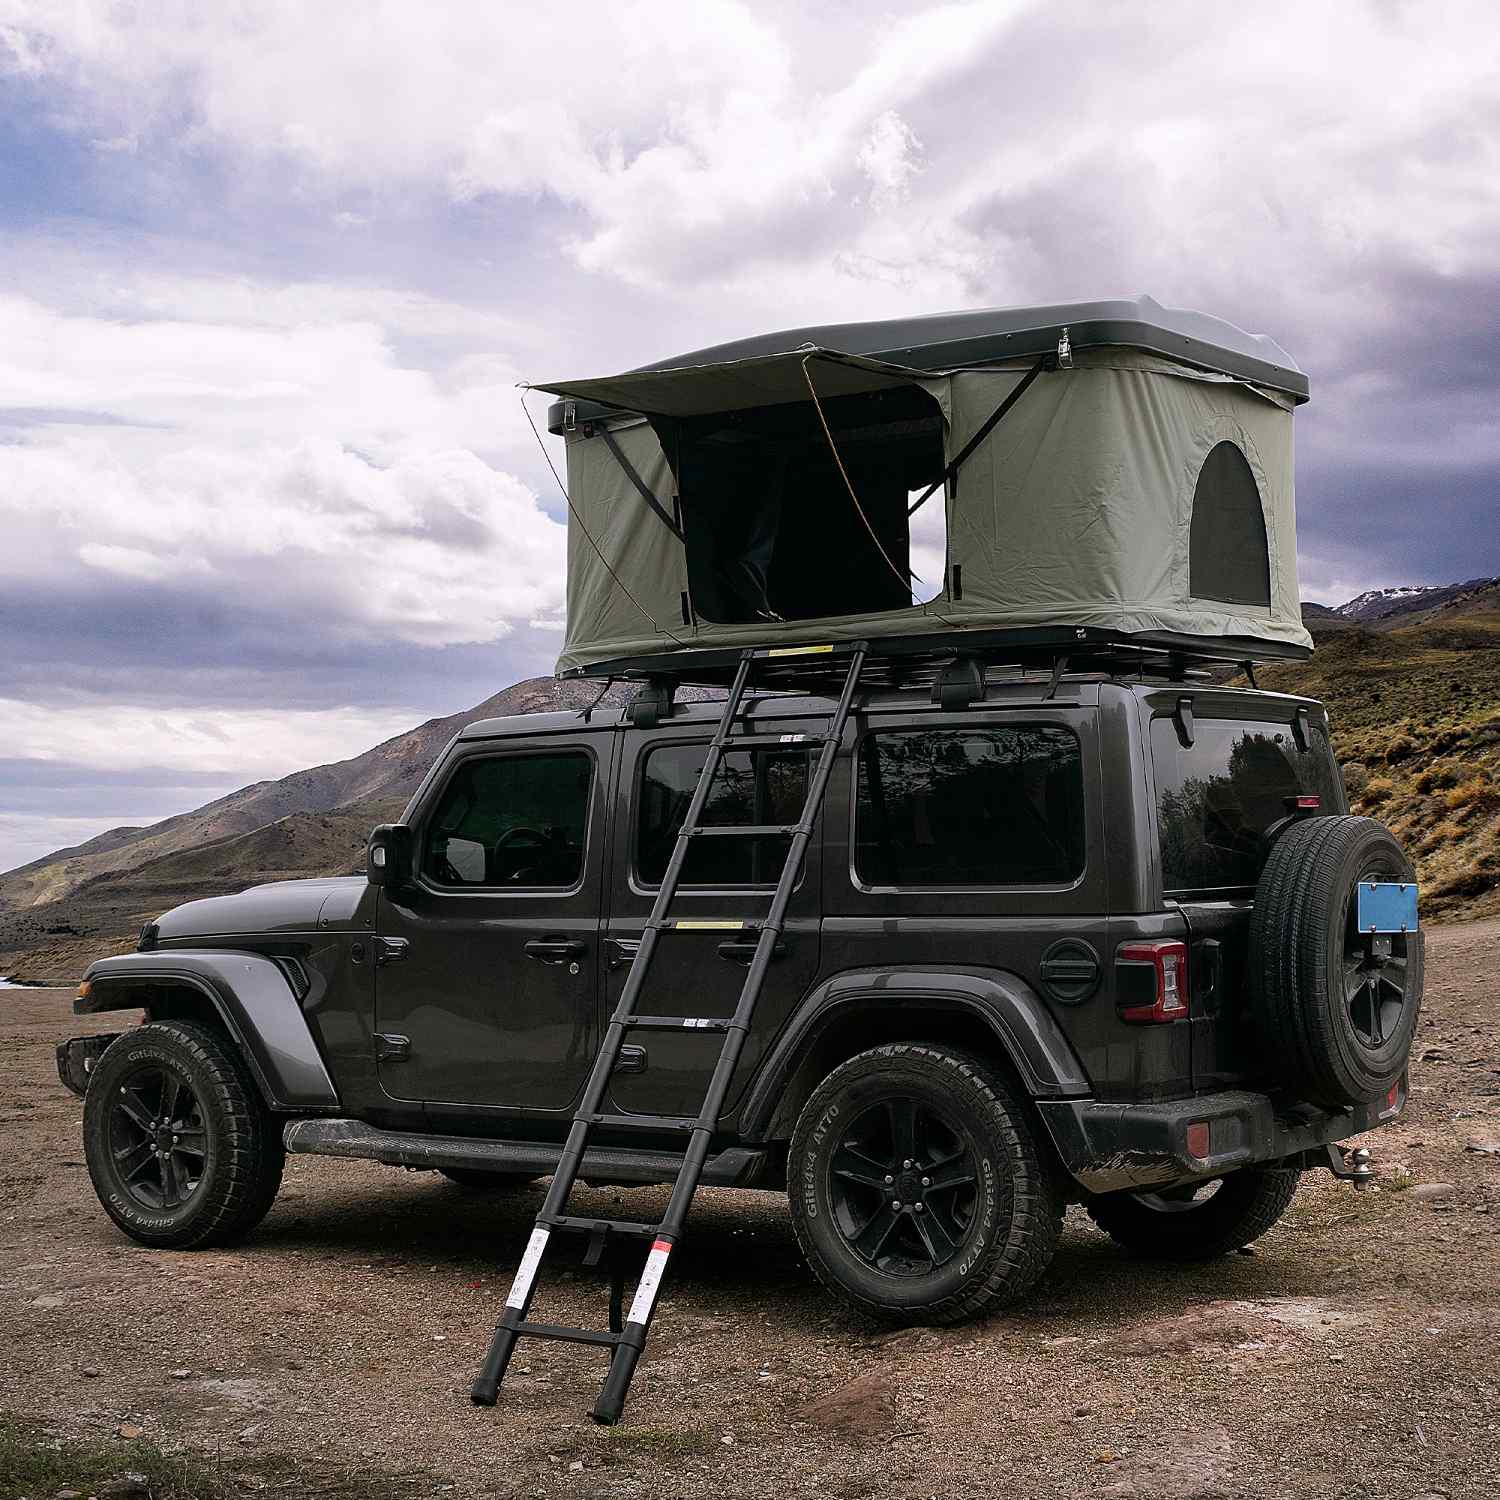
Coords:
pixel 1217 796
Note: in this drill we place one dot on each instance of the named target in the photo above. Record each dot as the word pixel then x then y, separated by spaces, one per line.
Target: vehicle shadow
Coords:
pixel 740 1250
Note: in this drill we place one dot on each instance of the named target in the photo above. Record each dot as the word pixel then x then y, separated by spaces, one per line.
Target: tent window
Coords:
pixel 1227 555
pixel 768 526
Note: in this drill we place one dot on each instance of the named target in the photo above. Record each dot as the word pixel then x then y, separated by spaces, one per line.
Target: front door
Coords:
pixel 487 986
pixel 701 972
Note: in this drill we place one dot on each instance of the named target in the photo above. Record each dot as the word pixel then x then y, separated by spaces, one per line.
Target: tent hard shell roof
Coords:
pixel 1100 474
pixel 942 341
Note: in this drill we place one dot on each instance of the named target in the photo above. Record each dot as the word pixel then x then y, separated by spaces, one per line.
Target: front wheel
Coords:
pixel 181 1149
pixel 918 1190
pixel 1199 1221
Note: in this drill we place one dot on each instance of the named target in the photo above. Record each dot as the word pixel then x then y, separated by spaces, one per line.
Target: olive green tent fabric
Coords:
pixel 770 379
pixel 1076 510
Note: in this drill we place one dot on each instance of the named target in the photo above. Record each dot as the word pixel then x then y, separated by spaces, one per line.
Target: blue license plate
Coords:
pixel 1386 906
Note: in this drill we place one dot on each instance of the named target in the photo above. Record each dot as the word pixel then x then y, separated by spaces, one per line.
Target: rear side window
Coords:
pixel 511 821
pixel 980 807
pixel 753 786
pixel 1217 796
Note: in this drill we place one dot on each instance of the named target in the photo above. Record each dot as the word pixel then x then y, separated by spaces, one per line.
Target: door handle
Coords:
pixel 555 950
pixel 742 951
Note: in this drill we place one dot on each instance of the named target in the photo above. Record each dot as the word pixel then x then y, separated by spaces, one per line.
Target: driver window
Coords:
pixel 512 822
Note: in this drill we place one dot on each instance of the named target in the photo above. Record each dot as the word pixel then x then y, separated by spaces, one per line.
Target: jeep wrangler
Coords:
pixel 1099 936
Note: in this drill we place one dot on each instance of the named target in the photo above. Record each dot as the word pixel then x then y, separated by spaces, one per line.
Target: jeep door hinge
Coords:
pixel 390 950
pixel 391 1048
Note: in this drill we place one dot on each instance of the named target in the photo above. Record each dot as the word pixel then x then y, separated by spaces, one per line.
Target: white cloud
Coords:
pixel 890 158
pixel 297 460
pixel 246 744
pixel 716 145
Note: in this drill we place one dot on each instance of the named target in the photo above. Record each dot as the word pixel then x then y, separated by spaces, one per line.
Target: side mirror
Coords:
pixel 388 859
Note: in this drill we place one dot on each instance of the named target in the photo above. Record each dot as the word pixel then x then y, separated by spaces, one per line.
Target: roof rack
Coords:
pixel 927 661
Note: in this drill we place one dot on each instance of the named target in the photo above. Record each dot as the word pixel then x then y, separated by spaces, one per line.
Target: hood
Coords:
pixel 282 906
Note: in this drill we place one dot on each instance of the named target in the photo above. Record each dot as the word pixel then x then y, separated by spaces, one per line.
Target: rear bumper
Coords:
pixel 1111 1148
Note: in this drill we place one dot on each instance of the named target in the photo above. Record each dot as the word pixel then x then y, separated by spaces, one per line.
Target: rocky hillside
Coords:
pixel 1414 697
pixel 1377 606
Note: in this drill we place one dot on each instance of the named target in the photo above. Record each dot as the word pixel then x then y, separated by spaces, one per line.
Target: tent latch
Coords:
pixel 1064 351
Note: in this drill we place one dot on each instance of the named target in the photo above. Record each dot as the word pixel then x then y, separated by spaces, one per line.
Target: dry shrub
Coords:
pixel 1399 749
pixel 1356 778
pixel 1477 794
pixel 1377 790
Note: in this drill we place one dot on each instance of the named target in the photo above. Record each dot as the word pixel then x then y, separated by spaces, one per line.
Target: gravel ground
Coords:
pixel 1353 1354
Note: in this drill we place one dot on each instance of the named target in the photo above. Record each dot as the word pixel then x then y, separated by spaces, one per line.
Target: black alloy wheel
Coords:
pixel 157 1136
pixel 920 1192
pixel 1375 977
pixel 904 1186
pixel 1336 1009
pixel 181 1147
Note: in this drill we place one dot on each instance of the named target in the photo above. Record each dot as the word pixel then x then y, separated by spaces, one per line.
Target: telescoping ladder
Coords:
pixel 627 1338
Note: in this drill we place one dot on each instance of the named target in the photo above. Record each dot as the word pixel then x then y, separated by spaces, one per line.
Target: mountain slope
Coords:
pixel 1414 699
pixel 389 772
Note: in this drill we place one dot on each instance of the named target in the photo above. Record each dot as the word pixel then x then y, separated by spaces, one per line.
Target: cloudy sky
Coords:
pixel 270 271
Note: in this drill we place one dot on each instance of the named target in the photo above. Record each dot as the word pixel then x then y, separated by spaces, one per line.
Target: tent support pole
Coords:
pixel 950 474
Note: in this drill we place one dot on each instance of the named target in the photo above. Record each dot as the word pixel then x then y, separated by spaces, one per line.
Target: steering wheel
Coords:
pixel 529 838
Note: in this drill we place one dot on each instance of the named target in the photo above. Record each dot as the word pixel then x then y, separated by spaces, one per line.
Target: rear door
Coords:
pixel 1222 776
pixel 701 972
pixel 490 964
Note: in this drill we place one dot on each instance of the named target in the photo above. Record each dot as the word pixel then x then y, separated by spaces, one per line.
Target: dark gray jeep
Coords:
pixel 1035 909
pixel 1103 938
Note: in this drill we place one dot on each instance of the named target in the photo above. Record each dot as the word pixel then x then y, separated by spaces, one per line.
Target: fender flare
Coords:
pixel 1041 1054
pixel 253 998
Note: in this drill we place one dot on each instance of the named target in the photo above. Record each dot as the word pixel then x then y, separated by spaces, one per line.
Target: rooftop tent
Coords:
pixel 1129 476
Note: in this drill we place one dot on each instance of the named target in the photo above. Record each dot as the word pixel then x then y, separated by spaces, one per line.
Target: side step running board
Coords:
pixel 739 1166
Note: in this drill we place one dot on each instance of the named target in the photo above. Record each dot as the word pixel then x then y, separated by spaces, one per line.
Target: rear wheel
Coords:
pixel 181 1149
pixel 1201 1220
pixel 918 1189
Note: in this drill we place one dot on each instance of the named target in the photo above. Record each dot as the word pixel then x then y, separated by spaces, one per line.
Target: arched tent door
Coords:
pixel 1228 558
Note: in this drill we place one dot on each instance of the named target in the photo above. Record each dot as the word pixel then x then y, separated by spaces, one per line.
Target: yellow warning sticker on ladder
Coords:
pixel 799 650
pixel 706 924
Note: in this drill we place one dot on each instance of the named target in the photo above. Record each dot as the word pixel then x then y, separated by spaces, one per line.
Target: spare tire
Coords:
pixel 1336 1012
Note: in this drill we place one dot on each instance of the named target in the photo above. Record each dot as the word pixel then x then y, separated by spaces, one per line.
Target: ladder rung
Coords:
pixel 766 741
pixel 567 1335
pixel 709 924
pixel 643 1122
pixel 676 1023
pixel 741 830
pixel 579 1225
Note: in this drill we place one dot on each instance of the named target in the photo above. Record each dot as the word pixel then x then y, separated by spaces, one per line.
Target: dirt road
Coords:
pixel 1352 1356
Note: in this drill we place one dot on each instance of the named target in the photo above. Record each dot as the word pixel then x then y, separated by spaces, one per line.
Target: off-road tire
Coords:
pixel 244 1157
pixel 1298 935
pixel 478 1180
pixel 1016 1216
pixel 1247 1204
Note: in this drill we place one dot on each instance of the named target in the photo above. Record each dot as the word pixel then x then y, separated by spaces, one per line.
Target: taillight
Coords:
pixel 1152 981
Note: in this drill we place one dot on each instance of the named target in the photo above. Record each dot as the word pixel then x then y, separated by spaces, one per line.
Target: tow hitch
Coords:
pixel 1349 1164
